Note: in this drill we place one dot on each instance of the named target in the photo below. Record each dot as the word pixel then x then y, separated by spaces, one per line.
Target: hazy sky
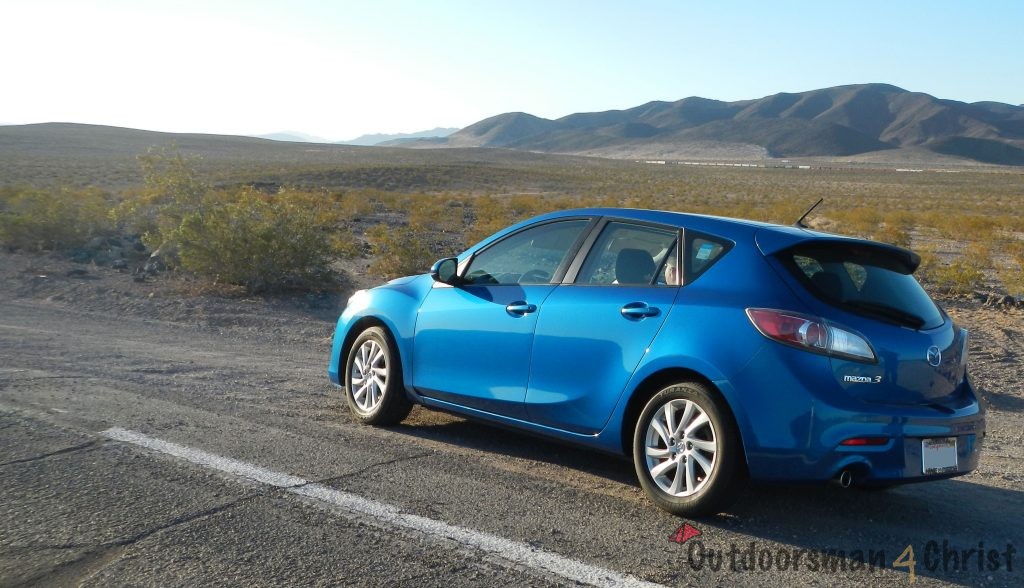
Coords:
pixel 338 69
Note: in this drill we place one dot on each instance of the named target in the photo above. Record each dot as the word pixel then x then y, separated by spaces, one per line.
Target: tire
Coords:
pixel 373 380
pixel 709 451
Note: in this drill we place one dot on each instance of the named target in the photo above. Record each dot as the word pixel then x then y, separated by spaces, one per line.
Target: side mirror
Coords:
pixel 445 271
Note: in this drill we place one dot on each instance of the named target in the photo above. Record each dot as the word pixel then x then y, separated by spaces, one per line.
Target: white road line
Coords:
pixel 513 551
pixel 208 460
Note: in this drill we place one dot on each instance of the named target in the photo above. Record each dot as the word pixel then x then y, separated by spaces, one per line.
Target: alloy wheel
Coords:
pixel 369 375
pixel 681 448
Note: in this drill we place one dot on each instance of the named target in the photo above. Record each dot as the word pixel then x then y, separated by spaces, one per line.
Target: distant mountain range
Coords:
pixel 398 138
pixel 292 137
pixel 364 140
pixel 839 121
pixel 875 123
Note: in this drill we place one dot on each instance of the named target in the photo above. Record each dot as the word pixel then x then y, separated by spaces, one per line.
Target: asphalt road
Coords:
pixel 435 501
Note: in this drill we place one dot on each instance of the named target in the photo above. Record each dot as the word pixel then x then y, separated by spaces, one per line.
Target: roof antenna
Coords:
pixel 800 221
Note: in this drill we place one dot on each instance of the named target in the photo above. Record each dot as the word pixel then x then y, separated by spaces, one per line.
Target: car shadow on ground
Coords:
pixel 1004 401
pixel 936 518
pixel 445 428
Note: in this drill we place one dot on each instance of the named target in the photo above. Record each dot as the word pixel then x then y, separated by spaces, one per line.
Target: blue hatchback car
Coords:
pixel 708 349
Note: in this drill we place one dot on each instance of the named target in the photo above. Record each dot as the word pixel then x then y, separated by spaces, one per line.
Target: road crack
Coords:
pixel 185 519
pixel 94 561
pixel 363 470
pixel 79 447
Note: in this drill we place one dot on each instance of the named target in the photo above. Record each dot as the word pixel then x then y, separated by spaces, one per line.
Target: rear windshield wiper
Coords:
pixel 890 312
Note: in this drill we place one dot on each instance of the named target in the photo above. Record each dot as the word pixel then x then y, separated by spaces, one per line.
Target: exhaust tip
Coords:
pixel 845 478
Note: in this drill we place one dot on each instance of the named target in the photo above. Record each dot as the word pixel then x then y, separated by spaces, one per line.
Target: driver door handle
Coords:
pixel 638 310
pixel 520 308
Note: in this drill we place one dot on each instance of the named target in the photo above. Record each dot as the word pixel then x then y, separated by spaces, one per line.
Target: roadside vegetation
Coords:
pixel 295 226
pixel 52 220
pixel 235 236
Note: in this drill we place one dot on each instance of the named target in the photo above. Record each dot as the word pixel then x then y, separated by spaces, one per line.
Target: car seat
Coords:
pixel 634 266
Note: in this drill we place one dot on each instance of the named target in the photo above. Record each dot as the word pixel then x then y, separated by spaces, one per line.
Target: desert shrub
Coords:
pixel 399 251
pixel 1012 274
pixel 260 242
pixel 172 191
pixel 893 234
pixel 493 213
pixel 858 220
pixel 355 204
pixel 36 220
pixel 963 274
pixel 1013 280
pixel 345 244
pixel 929 262
pixel 433 212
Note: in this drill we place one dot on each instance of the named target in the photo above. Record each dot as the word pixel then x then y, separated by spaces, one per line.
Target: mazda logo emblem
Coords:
pixel 934 356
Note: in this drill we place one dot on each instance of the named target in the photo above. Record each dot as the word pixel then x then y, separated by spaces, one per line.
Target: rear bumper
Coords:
pixel 901 459
pixel 898 461
pixel 792 433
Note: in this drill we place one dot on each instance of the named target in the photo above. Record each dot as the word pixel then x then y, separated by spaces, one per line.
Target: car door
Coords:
pixel 473 342
pixel 592 333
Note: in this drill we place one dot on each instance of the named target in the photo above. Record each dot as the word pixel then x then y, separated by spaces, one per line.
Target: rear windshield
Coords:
pixel 864 280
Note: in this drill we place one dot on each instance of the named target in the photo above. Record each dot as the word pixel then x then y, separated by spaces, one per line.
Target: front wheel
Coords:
pixel 373 380
pixel 687 451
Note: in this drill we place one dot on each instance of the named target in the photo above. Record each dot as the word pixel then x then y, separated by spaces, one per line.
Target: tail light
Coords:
pixel 810 333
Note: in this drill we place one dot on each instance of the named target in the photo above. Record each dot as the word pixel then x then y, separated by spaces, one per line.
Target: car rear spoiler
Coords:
pixel 776 239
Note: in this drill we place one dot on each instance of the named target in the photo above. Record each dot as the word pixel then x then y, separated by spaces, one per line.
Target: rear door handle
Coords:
pixel 638 310
pixel 520 308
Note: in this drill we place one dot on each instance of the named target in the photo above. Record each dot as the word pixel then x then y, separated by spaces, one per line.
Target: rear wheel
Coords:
pixel 373 380
pixel 687 452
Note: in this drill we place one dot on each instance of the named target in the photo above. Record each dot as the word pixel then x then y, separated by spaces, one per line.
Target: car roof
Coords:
pixel 768 237
pixel 720 225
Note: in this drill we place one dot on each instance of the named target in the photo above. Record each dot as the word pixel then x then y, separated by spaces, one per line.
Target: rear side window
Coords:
pixel 702 251
pixel 865 280
pixel 628 254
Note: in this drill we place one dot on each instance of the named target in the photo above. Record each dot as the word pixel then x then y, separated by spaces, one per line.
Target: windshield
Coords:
pixel 865 280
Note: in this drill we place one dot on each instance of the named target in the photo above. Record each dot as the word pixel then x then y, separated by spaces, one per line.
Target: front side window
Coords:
pixel 627 254
pixel 531 256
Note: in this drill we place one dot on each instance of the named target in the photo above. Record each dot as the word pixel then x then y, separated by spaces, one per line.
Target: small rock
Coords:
pixel 77 272
pixel 154 265
pixel 119 264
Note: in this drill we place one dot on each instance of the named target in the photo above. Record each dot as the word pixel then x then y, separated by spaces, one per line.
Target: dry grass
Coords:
pixel 968 225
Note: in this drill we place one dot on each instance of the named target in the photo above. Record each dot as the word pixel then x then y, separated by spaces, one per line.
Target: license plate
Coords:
pixel 938 456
